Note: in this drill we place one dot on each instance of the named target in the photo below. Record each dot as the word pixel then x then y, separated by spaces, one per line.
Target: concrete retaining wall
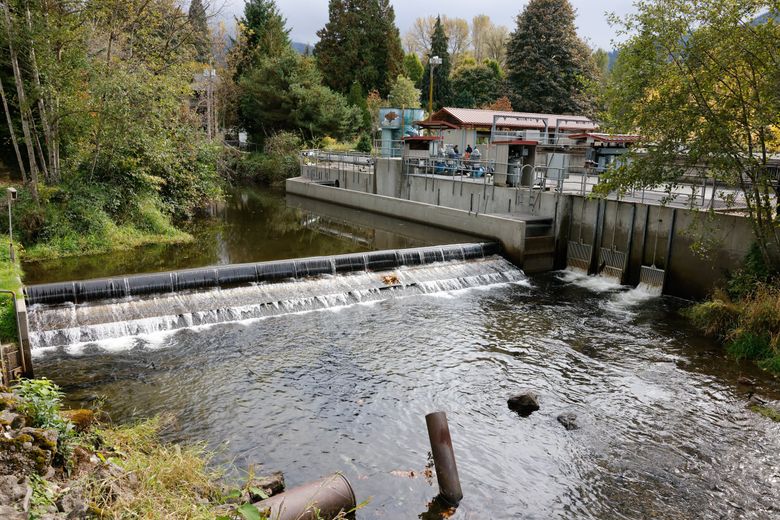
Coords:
pixel 511 233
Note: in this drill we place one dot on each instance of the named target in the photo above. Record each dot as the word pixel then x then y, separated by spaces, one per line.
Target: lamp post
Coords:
pixel 11 192
pixel 433 63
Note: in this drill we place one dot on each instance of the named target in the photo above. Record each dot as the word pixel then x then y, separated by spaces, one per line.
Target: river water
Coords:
pixel 664 432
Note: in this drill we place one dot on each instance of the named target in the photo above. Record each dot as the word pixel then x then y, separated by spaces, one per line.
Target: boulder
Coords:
pixel 270 485
pixel 13 420
pixel 82 419
pixel 13 490
pixel 10 513
pixel 569 421
pixel 73 505
pixel 524 404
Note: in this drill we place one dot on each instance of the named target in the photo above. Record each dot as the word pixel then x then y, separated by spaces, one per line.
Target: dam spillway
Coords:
pixel 62 314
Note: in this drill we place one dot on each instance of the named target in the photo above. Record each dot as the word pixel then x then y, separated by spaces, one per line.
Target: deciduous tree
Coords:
pixel 476 85
pixel 404 94
pixel 698 80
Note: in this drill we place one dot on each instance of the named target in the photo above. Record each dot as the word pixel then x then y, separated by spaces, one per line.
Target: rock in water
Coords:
pixel 524 404
pixel 569 421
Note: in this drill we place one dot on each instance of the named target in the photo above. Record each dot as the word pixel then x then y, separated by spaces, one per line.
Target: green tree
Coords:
pixel 601 61
pixel 476 85
pixel 549 67
pixel 357 98
pixel 360 43
pixel 404 93
pixel 413 68
pixel 285 92
pixel 699 83
pixel 441 73
pixel 263 32
pixel 199 22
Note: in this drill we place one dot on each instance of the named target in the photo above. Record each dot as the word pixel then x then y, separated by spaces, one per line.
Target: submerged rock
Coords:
pixel 569 421
pixel 524 404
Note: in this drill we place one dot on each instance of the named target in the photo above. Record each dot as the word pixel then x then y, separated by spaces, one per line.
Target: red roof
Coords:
pixel 485 118
pixel 608 138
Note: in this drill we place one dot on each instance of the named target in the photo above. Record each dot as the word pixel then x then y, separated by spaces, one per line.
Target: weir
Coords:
pixel 61 314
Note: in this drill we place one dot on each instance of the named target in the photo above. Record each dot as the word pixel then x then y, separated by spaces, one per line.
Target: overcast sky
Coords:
pixel 306 17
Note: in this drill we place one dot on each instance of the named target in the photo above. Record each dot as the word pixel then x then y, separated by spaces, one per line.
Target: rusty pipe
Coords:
pixel 322 499
pixel 444 458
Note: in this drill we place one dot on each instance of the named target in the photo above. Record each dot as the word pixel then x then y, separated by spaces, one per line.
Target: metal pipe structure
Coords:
pixel 322 499
pixel 444 458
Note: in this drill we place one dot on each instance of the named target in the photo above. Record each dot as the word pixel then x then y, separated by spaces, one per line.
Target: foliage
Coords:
pixel 475 86
pixel 413 68
pixel 172 481
pixel 122 152
pixel 360 42
pixel 285 93
pixel 750 327
pixel 753 274
pixel 548 67
pixel 357 98
pixel 374 103
pixel 699 80
pixel 404 94
pixel 277 162
pixel 40 401
pixel 364 144
pixel 10 279
pixel 263 32
pixel 502 104
pixel 441 73
pixel 199 21
pixel 766 411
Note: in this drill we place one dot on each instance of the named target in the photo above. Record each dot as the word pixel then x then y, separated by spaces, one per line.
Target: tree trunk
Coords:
pixel 12 131
pixel 49 169
pixel 23 108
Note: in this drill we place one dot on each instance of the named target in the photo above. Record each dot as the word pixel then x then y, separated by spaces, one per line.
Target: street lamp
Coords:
pixel 11 192
pixel 433 63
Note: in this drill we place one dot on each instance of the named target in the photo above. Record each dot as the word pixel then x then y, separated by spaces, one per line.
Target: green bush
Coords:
pixel 7 319
pixel 364 144
pixel 277 162
pixel 41 401
pixel 753 274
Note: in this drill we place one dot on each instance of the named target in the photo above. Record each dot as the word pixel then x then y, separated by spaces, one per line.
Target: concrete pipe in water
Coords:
pixel 322 499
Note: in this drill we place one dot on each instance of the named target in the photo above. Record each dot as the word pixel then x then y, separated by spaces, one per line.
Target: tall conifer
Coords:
pixel 548 66
pixel 441 74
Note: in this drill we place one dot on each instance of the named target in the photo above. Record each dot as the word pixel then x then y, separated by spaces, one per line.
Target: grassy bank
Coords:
pixel 10 280
pixel 745 314
pixel 77 466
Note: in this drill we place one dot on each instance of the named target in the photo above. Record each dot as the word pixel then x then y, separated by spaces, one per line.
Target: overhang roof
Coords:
pixel 485 118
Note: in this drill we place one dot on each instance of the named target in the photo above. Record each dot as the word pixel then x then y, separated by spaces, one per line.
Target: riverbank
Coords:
pixel 72 464
pixel 10 280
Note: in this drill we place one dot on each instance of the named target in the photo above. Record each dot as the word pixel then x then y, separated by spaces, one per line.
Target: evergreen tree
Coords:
pixel 199 22
pixel 475 86
pixel 441 74
pixel 264 31
pixel 360 43
pixel 549 68
pixel 413 68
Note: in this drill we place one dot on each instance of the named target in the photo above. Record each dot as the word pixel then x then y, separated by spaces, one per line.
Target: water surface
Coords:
pixel 664 430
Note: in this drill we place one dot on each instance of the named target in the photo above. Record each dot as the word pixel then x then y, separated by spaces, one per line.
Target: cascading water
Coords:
pixel 322 283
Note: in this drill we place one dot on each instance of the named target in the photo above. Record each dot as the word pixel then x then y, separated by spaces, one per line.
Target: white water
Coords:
pixel 153 317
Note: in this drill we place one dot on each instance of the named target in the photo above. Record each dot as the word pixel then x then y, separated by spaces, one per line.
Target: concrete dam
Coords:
pixel 66 313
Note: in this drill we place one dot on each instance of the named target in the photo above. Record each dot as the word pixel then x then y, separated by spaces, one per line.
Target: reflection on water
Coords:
pixel 664 432
pixel 252 225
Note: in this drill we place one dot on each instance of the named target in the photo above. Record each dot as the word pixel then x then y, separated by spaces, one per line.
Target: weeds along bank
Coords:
pixel 745 315
pixel 57 464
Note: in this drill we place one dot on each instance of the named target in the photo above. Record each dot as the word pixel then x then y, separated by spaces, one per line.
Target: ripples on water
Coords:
pixel 664 432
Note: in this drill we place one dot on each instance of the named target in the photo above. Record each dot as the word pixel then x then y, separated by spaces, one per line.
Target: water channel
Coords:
pixel 664 432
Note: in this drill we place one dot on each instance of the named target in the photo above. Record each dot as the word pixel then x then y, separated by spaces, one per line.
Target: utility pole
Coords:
pixel 433 63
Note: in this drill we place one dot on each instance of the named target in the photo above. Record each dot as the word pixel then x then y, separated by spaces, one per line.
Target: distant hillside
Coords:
pixel 301 48
pixel 612 58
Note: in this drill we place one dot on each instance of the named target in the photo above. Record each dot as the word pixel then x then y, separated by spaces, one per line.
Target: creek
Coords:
pixel 663 429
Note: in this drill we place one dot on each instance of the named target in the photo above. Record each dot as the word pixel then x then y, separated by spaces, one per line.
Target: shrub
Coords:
pixel 364 144
pixel 41 400
pixel 753 274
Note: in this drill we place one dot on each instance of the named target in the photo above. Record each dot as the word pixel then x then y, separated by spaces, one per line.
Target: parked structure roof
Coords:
pixel 520 120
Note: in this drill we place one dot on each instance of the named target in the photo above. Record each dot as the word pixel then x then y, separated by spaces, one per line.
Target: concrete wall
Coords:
pixel 645 231
pixel 511 233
